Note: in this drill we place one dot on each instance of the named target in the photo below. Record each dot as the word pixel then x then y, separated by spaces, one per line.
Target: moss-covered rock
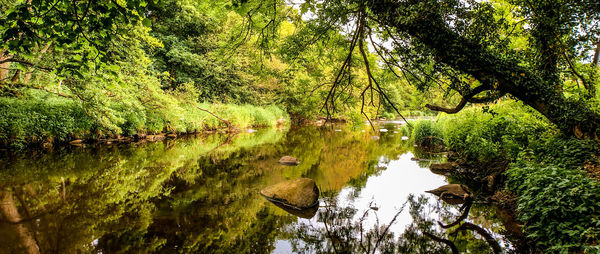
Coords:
pixel 299 193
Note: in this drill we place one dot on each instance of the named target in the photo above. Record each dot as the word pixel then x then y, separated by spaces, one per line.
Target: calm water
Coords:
pixel 201 194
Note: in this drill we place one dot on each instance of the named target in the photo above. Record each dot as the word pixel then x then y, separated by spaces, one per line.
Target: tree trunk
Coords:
pixel 596 54
pixel 4 66
pixel 42 52
pixel 9 212
pixel 501 74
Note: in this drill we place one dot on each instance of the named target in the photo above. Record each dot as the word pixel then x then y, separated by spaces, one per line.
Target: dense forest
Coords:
pixel 510 88
pixel 91 70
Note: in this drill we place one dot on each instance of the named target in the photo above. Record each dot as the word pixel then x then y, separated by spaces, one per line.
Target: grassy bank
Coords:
pixel 557 202
pixel 53 119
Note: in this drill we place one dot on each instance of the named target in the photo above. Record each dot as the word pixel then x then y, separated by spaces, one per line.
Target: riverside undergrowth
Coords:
pixel 49 118
pixel 558 204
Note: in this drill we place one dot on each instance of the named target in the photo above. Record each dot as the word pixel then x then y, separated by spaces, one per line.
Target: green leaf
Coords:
pixel 147 22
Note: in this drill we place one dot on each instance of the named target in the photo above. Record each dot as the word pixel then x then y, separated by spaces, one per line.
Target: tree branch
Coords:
pixel 444 241
pixel 13 60
pixel 229 126
pixel 482 232
pixel 463 101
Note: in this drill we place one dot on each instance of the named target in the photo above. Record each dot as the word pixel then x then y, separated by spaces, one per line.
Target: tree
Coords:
pixel 464 46
pixel 82 30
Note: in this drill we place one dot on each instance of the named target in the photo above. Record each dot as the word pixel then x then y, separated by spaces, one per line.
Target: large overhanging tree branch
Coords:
pixel 423 24
pixel 463 101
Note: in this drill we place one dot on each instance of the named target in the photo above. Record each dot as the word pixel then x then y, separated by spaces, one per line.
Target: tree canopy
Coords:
pixel 483 50
pixel 315 57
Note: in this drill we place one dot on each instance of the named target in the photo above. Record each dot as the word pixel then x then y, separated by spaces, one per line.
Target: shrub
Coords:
pixel 489 134
pixel 35 120
pixel 558 205
pixel 424 130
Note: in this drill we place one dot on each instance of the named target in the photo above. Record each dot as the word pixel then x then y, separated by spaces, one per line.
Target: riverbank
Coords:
pixel 55 120
pixel 514 157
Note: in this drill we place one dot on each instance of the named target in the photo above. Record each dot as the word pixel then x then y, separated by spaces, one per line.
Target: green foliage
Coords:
pixel 84 30
pixel 557 201
pixel 558 205
pixel 557 150
pixel 425 130
pixel 49 119
pixel 55 119
pixel 494 133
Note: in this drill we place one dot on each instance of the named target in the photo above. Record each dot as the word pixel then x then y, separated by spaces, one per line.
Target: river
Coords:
pixel 201 194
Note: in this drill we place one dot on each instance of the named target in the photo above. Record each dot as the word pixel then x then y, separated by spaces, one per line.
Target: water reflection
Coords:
pixel 201 194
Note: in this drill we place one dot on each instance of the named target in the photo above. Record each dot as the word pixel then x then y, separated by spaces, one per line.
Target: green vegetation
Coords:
pixel 135 67
pixel 105 69
pixel 424 130
pixel 558 206
pixel 496 133
pixel 58 119
pixel 557 202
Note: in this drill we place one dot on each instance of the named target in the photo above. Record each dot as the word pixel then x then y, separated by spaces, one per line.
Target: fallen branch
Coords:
pixel 229 126
pixel 463 216
pixel 482 232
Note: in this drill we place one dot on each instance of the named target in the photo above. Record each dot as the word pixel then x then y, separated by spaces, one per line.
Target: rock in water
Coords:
pixel 306 213
pixel 443 168
pixel 301 193
pixel 289 160
pixel 452 193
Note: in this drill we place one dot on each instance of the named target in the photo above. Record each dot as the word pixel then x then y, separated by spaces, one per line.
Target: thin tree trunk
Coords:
pixel 596 54
pixel 4 66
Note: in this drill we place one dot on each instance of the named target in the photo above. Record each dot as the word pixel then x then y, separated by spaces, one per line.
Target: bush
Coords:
pixel 424 130
pixel 33 121
pixel 489 134
pixel 558 205
pixel 38 119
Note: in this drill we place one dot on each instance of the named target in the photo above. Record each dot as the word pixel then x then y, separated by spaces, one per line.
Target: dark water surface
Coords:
pixel 201 194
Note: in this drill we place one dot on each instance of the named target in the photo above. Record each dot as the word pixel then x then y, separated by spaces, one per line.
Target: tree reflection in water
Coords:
pixel 343 229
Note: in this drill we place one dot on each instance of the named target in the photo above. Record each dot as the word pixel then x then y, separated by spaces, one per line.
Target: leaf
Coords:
pixel 147 22
pixel 114 67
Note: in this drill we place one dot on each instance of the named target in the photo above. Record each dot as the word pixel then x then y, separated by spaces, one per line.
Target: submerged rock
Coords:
pixel 299 194
pixel 452 193
pixel 443 168
pixel 305 213
pixel 289 160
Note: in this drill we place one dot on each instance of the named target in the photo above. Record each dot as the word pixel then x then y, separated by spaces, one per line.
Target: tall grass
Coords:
pixel 57 119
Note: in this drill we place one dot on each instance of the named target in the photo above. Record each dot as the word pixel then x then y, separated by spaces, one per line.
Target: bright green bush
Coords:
pixel 559 207
pixel 569 153
pixel 424 129
pixel 36 119
pixel 489 134
pixel 59 119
